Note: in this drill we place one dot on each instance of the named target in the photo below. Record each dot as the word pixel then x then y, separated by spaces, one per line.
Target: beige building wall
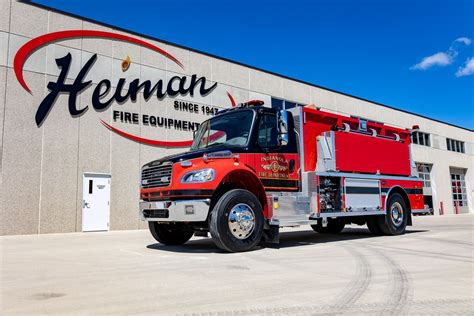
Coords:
pixel 42 167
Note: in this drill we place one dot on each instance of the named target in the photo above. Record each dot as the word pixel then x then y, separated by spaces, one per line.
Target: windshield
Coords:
pixel 231 129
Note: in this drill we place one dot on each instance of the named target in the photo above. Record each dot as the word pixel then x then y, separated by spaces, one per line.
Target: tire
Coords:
pixel 237 220
pixel 334 226
pixel 373 224
pixel 391 224
pixel 170 234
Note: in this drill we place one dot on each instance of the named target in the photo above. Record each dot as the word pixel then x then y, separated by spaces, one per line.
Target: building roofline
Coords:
pixel 233 61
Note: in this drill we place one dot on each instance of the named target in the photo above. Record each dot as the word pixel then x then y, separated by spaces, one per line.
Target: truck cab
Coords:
pixel 253 169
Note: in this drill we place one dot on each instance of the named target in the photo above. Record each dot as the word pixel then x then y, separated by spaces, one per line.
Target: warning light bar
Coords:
pixel 252 103
pixel 243 105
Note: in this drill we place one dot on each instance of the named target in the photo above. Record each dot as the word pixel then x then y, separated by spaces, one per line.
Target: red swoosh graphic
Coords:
pixel 158 143
pixel 147 141
pixel 42 40
pixel 232 101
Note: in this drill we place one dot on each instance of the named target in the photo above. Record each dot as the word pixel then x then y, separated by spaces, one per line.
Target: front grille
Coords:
pixel 157 176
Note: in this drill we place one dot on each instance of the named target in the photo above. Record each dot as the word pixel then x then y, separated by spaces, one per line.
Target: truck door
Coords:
pixel 276 166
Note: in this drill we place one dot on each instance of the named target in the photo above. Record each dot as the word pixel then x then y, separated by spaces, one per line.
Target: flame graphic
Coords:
pixel 126 63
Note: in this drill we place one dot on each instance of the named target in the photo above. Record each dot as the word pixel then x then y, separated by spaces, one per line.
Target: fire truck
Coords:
pixel 252 170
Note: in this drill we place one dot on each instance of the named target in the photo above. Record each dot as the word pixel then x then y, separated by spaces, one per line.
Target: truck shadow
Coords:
pixel 287 239
pixel 308 237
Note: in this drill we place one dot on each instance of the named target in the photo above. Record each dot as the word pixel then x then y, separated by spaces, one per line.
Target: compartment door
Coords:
pixel 362 194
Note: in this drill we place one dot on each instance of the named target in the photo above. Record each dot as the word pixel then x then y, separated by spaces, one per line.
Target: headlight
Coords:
pixel 196 176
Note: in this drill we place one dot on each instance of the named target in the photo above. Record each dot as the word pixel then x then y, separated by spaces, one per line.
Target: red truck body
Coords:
pixel 378 154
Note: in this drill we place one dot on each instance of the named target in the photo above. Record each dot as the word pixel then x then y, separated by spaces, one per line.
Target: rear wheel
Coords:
pixel 237 220
pixel 395 221
pixel 170 234
pixel 373 224
pixel 334 226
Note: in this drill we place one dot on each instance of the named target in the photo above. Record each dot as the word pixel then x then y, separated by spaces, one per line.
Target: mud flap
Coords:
pixel 271 236
pixel 409 222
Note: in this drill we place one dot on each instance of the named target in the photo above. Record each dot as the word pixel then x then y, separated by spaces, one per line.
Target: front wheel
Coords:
pixel 237 220
pixel 170 234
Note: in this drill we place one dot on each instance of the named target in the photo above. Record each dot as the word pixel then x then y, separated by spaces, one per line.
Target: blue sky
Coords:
pixel 410 55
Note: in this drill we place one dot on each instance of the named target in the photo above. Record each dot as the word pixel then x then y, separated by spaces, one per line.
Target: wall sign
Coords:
pixel 103 95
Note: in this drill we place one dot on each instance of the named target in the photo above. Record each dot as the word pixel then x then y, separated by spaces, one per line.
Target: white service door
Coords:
pixel 96 202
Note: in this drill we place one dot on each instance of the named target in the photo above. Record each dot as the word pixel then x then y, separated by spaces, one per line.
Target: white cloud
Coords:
pixel 438 59
pixel 442 58
pixel 467 69
pixel 466 41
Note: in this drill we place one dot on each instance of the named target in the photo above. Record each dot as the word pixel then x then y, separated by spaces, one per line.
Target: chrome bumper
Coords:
pixel 175 211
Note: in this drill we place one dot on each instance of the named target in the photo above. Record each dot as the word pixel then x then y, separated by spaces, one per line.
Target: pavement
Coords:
pixel 429 270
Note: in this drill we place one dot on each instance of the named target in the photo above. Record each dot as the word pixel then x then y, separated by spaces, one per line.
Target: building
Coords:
pixel 59 146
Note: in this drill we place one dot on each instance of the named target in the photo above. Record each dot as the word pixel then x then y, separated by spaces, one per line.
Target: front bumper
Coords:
pixel 175 211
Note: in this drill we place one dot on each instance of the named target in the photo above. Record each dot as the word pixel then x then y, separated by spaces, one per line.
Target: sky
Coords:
pixel 413 55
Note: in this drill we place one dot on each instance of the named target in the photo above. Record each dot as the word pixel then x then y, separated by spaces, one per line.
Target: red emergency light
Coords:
pixel 252 103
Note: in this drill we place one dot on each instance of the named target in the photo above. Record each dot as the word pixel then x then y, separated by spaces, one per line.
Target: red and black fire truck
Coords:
pixel 253 169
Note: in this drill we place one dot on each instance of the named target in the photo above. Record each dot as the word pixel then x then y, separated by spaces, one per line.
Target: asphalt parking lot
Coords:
pixel 427 271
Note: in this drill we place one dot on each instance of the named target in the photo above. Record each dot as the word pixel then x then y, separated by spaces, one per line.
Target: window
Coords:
pixel 268 131
pixel 366 119
pixel 458 188
pixel 424 174
pixel 420 138
pixel 277 104
pixel 232 129
pixel 289 105
pixel 283 104
pixel 455 145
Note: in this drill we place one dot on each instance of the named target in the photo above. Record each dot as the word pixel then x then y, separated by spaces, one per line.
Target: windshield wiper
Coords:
pixel 213 145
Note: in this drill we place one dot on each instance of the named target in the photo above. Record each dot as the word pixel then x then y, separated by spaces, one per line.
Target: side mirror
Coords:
pixel 283 128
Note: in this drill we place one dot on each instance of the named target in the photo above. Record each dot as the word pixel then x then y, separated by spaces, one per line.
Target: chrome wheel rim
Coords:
pixel 241 221
pixel 396 212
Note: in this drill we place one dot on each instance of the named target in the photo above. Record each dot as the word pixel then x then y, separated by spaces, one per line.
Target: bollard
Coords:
pixel 441 209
